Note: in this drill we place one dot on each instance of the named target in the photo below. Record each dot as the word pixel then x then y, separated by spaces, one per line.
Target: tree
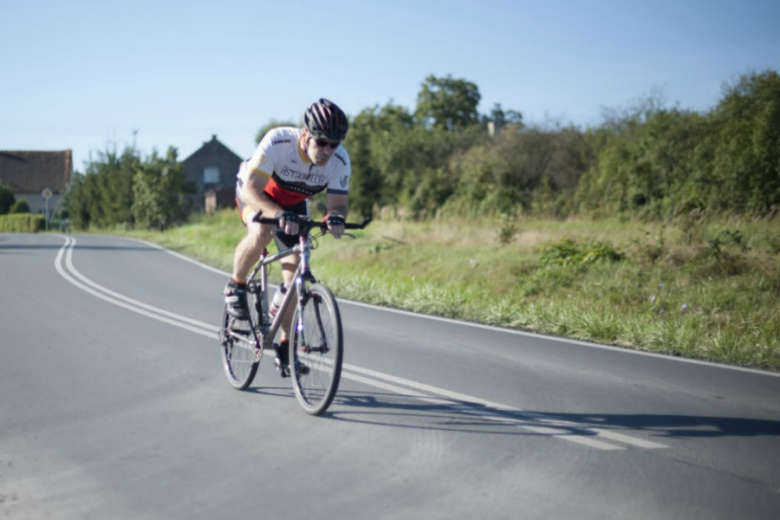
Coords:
pixel 645 165
pixel 372 132
pixel 448 103
pixel 503 118
pixel 746 159
pixel 537 169
pixel 7 199
pixel 400 163
pixel 104 196
pixel 127 188
pixel 158 190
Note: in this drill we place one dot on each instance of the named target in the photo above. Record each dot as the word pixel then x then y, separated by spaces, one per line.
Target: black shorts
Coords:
pixel 283 240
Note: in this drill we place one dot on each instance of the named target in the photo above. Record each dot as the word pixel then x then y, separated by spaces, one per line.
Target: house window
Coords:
pixel 211 175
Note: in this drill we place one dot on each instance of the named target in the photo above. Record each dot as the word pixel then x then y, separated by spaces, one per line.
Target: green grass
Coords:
pixel 706 291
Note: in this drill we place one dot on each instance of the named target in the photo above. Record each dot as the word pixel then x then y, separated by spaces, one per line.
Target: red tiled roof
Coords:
pixel 31 172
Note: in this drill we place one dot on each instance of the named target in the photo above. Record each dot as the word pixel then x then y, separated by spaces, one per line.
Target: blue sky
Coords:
pixel 82 74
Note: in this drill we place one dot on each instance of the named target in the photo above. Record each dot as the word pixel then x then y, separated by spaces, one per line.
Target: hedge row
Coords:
pixel 22 223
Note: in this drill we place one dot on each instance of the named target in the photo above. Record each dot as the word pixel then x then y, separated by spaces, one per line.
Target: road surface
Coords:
pixel 113 404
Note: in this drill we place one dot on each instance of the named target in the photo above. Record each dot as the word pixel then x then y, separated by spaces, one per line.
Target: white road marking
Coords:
pixel 490 410
pixel 619 437
pixel 104 290
pixel 58 265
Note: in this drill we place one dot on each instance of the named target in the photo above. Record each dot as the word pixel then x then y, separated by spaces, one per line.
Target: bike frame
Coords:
pixel 302 274
pixel 265 331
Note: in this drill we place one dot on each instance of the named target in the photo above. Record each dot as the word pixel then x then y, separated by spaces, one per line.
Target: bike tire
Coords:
pixel 323 354
pixel 239 360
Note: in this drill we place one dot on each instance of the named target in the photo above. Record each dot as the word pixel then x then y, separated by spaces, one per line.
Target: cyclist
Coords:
pixel 289 166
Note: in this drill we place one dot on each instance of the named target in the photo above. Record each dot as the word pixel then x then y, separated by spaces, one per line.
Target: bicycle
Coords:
pixel 316 337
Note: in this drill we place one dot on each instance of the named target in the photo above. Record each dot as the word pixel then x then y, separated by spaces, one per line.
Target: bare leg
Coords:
pixel 289 265
pixel 250 248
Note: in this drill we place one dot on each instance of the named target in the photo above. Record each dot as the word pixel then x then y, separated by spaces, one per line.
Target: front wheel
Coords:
pixel 317 350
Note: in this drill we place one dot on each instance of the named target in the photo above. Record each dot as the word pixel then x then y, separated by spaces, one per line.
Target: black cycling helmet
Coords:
pixel 325 119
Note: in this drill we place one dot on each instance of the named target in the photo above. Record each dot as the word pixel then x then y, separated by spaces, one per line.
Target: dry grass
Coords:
pixel 710 294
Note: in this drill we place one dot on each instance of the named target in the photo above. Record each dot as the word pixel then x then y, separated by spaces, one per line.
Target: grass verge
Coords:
pixel 705 291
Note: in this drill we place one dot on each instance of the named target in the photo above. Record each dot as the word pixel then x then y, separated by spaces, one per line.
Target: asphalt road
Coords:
pixel 113 404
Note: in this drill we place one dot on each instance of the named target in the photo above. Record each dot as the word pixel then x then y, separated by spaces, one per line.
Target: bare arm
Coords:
pixel 254 196
pixel 337 204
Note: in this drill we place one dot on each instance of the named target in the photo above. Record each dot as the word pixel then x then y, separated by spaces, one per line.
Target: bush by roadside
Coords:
pixel 21 223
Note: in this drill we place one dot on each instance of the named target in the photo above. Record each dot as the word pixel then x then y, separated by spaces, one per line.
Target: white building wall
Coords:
pixel 37 203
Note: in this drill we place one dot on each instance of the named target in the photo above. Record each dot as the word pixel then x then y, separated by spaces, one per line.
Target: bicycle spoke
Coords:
pixel 319 347
pixel 240 355
pixel 241 342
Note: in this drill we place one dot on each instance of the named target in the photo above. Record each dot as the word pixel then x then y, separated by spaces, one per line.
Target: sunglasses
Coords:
pixel 322 143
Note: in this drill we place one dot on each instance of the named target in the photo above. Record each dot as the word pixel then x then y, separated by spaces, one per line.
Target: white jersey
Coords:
pixel 292 177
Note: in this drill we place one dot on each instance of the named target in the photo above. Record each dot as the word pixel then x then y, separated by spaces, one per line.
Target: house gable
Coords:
pixel 212 166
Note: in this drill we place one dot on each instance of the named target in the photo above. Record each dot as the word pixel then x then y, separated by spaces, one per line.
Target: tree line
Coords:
pixel 649 162
pixel 128 188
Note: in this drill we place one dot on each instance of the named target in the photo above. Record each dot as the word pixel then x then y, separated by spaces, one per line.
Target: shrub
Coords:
pixel 22 223
pixel 569 252
pixel 20 206
pixel 656 163
pixel 507 228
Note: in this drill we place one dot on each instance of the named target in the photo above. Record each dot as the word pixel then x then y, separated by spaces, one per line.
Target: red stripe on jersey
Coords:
pixel 282 196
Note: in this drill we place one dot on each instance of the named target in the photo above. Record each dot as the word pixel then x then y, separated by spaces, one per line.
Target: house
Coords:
pixel 29 173
pixel 212 171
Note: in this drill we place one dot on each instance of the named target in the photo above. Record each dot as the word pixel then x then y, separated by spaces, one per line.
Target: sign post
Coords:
pixel 46 194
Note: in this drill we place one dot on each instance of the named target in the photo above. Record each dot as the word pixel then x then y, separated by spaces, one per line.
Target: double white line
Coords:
pixel 597 438
pixel 67 271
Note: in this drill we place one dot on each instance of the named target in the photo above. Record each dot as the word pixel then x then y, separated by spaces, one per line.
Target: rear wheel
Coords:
pixel 239 355
pixel 319 346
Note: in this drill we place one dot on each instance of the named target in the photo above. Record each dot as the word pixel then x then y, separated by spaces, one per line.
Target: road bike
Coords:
pixel 316 343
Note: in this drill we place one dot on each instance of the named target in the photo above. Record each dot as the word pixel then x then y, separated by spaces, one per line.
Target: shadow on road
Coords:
pixel 394 410
pixel 682 426
pixel 272 391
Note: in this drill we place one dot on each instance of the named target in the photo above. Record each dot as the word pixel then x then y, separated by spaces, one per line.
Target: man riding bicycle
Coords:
pixel 289 166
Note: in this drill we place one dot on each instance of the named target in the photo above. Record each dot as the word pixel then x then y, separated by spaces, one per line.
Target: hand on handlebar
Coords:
pixel 335 224
pixel 288 222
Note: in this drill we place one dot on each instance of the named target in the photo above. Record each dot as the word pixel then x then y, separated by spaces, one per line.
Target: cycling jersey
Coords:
pixel 292 177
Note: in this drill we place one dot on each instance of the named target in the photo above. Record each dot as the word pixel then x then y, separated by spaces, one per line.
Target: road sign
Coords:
pixel 46 194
